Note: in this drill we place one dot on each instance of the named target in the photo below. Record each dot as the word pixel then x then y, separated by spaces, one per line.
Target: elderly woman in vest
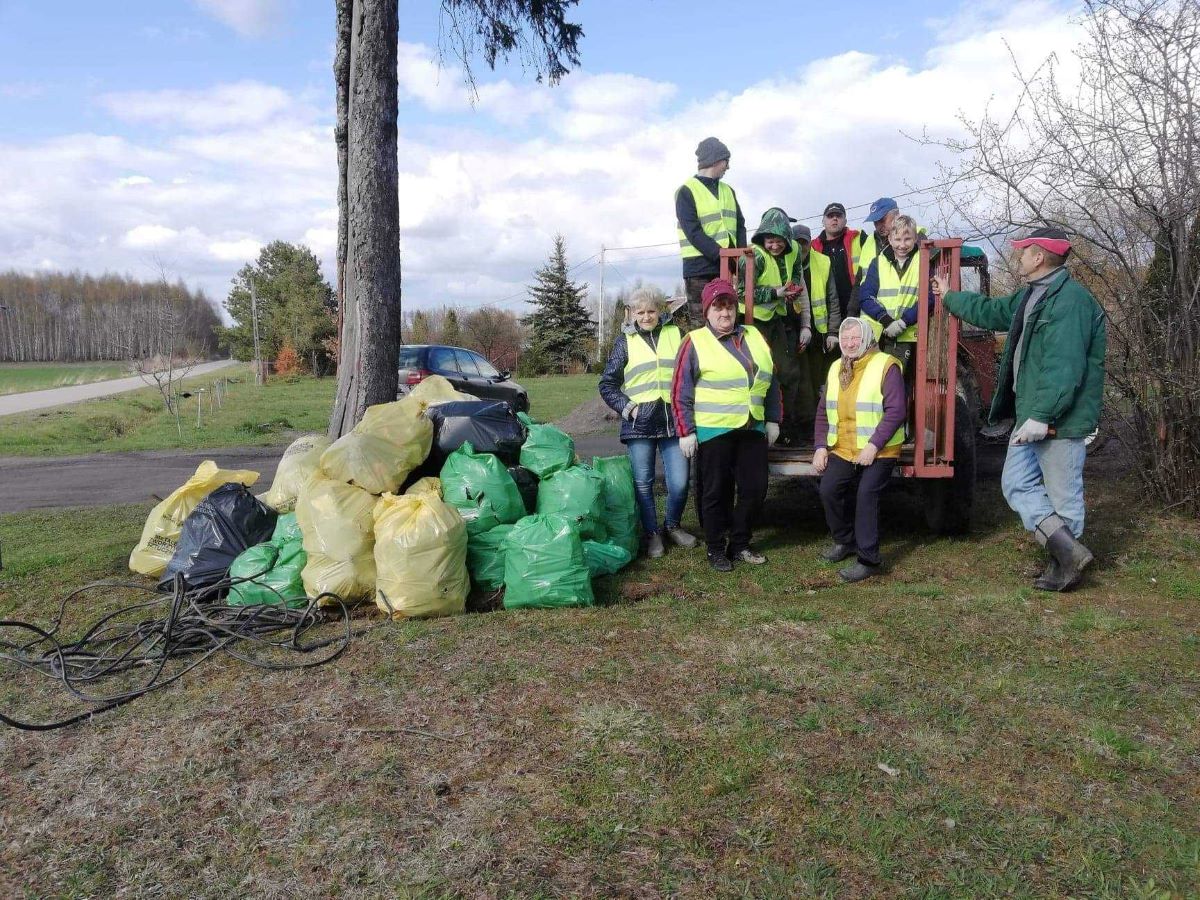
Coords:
pixel 727 409
pixel 636 384
pixel 858 435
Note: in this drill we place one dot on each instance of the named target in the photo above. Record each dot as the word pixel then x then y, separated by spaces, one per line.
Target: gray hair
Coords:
pixel 643 298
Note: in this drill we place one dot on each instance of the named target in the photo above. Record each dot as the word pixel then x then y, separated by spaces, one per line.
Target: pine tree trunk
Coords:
pixel 368 208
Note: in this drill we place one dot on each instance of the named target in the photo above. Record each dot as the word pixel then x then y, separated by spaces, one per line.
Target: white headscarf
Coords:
pixel 866 345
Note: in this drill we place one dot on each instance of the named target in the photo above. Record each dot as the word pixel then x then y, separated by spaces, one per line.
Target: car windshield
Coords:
pixel 486 369
pixel 410 357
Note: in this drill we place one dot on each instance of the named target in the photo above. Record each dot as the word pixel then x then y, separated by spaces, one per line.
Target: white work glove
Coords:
pixel 772 433
pixel 820 460
pixel 894 330
pixel 1030 432
pixel 688 444
pixel 866 455
pixel 805 338
pixel 630 412
pixel 831 343
pixel 781 291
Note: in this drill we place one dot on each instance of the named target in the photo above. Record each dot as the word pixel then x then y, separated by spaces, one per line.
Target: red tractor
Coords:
pixel 955 378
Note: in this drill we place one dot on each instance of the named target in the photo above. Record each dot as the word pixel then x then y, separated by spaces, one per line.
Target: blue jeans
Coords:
pixel 1045 478
pixel 675 467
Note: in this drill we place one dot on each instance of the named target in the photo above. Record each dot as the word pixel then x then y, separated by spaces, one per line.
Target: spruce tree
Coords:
pixel 561 331
pixel 451 332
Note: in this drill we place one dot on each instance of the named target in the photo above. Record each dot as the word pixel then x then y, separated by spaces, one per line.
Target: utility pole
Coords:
pixel 258 368
pixel 600 316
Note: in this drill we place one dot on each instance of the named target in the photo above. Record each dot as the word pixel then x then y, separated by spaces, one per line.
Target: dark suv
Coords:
pixel 465 369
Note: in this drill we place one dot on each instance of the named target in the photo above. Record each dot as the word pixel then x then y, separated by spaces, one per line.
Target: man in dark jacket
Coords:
pixel 709 219
pixel 1051 382
pixel 838 243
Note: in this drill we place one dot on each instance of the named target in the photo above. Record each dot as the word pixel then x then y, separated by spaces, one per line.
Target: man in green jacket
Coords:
pixel 1051 383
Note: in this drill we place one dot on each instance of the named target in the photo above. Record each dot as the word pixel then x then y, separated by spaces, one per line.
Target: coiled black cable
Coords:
pixel 197 626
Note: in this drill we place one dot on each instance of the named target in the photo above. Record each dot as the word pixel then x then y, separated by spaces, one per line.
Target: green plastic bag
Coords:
pixel 480 488
pixel 621 517
pixel 276 571
pixel 547 449
pixel 578 494
pixel 543 565
pixel 604 559
pixel 485 557
pixel 286 529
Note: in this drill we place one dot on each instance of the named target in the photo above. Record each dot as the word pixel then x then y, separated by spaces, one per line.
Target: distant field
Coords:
pixel 16 378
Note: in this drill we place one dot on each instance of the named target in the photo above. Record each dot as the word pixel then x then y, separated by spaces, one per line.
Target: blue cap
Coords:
pixel 881 208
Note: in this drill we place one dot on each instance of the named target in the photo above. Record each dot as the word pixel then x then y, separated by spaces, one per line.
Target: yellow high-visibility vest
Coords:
pixel 866 252
pixel 718 216
pixel 819 265
pixel 868 404
pixel 649 371
pixel 896 294
pixel 769 276
pixel 726 395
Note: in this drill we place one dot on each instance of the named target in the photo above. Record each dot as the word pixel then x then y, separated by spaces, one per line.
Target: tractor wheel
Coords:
pixel 947 502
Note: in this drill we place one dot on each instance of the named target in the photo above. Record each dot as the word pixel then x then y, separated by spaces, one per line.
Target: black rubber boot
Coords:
pixel 857 572
pixel 1049 576
pixel 838 552
pixel 1072 558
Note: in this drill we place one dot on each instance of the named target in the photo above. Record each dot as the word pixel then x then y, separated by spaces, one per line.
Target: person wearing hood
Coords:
pixel 727 413
pixel 1051 383
pixel 822 304
pixel 782 314
pixel 858 433
pixel 708 219
pixel 636 384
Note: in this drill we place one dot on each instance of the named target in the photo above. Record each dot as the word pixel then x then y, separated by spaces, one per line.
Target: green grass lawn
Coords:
pixel 251 416
pixel 945 731
pixel 16 378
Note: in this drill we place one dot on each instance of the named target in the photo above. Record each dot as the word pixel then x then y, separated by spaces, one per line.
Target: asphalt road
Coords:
pixel 30 400
pixel 104 479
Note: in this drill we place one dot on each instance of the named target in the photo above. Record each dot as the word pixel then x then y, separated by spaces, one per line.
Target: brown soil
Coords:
pixel 588 418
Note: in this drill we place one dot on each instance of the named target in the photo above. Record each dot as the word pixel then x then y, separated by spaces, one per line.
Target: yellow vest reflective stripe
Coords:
pixel 718 216
pixel 819 265
pixel 648 373
pixel 768 275
pixel 868 405
pixel 897 293
pixel 726 396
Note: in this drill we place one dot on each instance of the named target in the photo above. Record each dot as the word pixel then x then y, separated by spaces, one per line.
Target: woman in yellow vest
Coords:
pixel 859 430
pixel 636 385
pixel 727 410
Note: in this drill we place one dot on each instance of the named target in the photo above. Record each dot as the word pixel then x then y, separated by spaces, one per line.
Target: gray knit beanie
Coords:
pixel 710 152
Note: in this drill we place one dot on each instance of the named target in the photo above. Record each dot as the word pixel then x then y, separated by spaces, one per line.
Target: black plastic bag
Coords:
pixel 223 524
pixel 489 425
pixel 527 485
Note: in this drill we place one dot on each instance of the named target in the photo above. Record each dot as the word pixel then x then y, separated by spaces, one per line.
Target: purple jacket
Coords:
pixel 895 409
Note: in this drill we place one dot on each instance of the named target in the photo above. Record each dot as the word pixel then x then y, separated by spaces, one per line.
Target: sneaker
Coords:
pixel 857 572
pixel 753 557
pixel 837 552
pixel 680 538
pixel 720 562
pixel 654 545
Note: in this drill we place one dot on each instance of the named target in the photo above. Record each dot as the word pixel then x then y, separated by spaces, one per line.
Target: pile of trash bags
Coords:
pixel 428 499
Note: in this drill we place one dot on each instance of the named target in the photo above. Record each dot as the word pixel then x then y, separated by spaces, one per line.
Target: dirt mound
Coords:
pixel 589 417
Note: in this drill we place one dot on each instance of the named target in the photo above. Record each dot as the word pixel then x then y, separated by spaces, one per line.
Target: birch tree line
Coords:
pixel 63 317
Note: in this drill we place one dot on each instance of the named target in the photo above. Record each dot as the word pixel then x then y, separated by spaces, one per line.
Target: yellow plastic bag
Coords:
pixel 296 466
pixel 165 522
pixel 421 557
pixel 436 389
pixel 391 440
pixel 426 485
pixel 339 538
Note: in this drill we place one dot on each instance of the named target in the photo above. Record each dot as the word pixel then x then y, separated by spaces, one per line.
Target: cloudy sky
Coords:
pixel 181 135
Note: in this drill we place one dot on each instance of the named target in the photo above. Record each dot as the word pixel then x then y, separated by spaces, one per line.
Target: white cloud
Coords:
pixel 226 169
pixel 249 18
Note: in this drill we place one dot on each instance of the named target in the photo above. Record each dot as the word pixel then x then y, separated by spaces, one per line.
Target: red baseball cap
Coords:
pixel 1054 240
pixel 718 287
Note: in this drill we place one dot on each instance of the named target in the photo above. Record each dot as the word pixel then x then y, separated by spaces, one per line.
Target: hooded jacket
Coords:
pixel 1060 378
pixel 775 223
pixel 653 420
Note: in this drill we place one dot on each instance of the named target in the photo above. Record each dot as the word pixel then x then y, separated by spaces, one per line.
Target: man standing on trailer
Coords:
pixel 708 219
pixel 838 243
pixel 1051 382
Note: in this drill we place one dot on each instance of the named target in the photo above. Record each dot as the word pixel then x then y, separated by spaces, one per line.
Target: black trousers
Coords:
pixel 689 315
pixel 850 495
pixel 732 486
